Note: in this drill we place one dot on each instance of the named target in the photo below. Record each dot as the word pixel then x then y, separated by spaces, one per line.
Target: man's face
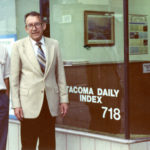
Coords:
pixel 34 27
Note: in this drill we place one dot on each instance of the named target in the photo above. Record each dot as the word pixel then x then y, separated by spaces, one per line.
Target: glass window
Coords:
pixel 90 34
pixel 139 68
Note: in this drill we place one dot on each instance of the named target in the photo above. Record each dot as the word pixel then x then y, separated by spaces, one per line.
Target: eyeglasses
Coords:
pixel 36 25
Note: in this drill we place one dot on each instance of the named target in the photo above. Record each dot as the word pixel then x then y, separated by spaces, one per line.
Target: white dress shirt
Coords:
pixel 35 47
pixel 4 67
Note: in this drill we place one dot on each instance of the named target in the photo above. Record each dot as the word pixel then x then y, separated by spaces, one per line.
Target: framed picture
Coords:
pixel 99 28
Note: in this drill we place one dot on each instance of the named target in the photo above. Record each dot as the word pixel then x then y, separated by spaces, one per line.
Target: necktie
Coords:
pixel 41 57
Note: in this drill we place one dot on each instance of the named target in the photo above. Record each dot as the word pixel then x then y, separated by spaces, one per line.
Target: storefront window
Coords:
pixel 91 40
pixel 90 34
pixel 139 68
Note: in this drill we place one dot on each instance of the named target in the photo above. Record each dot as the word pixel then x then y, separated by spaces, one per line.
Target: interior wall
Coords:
pixel 70 33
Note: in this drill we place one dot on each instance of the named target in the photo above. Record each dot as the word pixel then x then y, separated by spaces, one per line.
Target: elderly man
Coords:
pixel 38 85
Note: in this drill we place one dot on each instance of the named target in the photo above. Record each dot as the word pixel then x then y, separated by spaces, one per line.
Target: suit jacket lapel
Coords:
pixel 29 52
pixel 50 55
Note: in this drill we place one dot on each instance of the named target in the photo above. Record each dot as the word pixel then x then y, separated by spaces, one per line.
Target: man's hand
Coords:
pixel 63 109
pixel 18 113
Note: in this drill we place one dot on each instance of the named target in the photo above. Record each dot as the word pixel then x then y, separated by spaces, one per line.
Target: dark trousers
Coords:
pixel 42 128
pixel 4 109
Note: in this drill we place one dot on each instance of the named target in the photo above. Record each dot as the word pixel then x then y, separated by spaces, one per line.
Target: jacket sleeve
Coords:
pixel 61 79
pixel 15 69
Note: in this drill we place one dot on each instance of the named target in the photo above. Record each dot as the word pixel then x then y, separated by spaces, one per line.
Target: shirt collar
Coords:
pixel 34 42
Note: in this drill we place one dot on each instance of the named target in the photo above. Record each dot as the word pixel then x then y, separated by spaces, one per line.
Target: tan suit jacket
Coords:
pixel 28 82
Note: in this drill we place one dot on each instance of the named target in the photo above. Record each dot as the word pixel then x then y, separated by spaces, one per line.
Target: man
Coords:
pixel 38 85
pixel 4 96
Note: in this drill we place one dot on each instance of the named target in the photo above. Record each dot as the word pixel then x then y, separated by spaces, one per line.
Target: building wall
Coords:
pixel 73 141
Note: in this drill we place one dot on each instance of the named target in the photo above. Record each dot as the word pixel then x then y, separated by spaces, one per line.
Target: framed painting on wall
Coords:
pixel 99 28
